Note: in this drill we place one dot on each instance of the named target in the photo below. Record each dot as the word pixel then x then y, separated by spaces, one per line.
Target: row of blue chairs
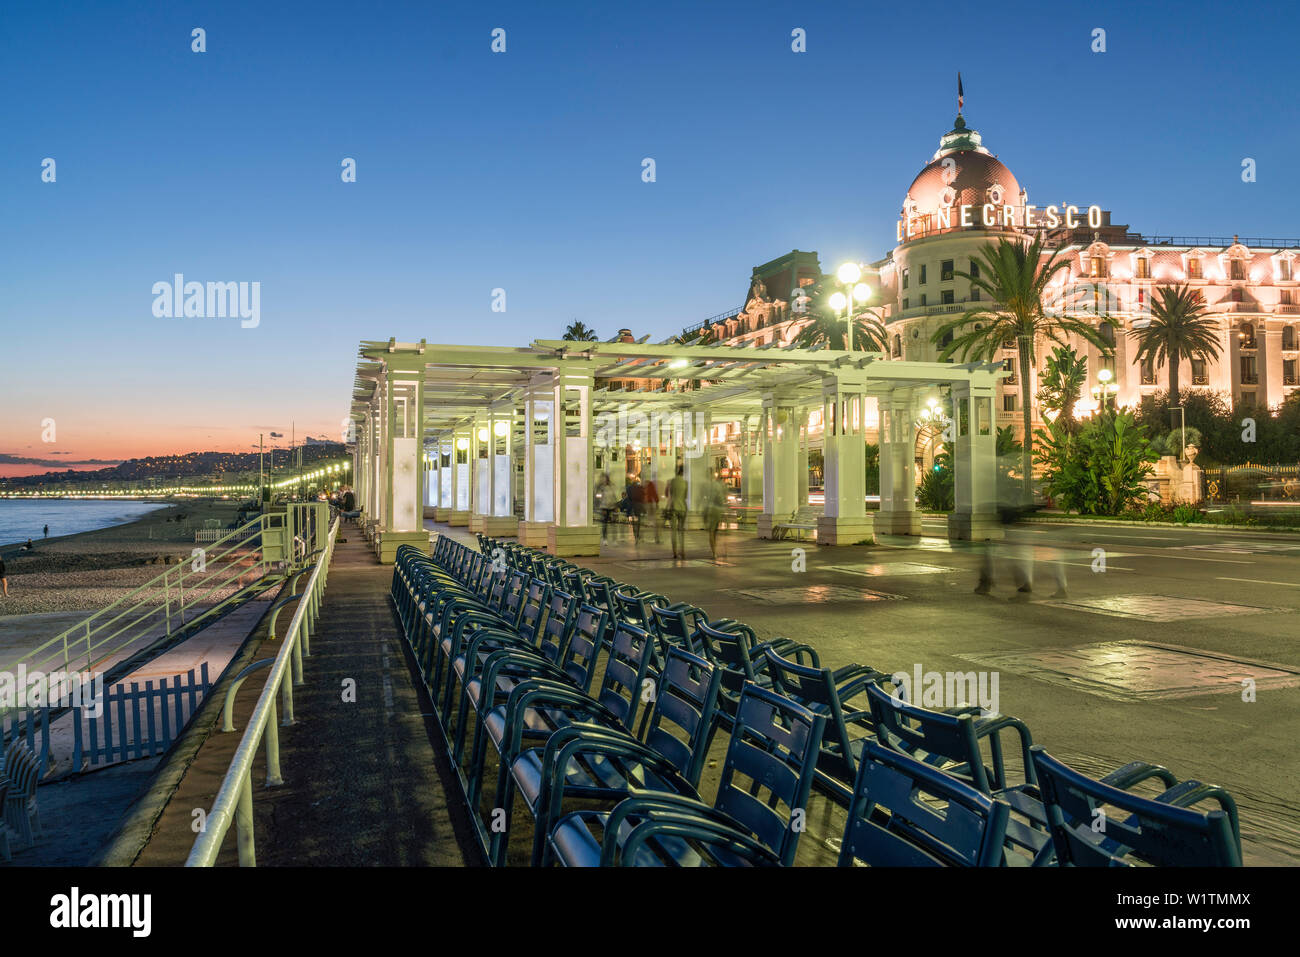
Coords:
pixel 515 640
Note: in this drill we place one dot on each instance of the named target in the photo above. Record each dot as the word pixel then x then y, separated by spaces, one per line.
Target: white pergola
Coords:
pixel 442 430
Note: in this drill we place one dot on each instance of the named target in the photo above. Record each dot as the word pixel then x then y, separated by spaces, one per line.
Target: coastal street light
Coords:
pixel 849 274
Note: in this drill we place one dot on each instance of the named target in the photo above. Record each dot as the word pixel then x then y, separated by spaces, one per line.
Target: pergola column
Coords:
pixel 375 465
pixel 462 470
pixel 751 464
pixel 431 479
pixel 539 469
pixel 499 515
pixel 780 430
pixel 402 512
pixel 975 463
pixel 845 521
pixel 573 532
pixel 446 452
pixel 803 457
pixel 480 496
pixel 898 514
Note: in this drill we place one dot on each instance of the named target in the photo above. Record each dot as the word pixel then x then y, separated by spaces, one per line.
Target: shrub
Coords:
pixel 1101 470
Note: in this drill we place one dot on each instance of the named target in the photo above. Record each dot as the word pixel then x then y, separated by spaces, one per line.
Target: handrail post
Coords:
pixel 297 663
pixel 286 694
pixel 273 776
pixel 244 825
pixel 167 601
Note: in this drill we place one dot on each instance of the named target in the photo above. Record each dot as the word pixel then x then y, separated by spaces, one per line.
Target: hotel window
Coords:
pixel 922 279
pixel 1249 371
pixel 1008 402
pixel 974 294
pixel 1234 294
pixel 906 275
pixel 945 297
pixel 1284 297
pixel 1107 333
pixel 1148 372
pixel 898 346
pixel 1288 372
pixel 1143 268
pixel 1284 270
pixel 1247 399
pixel 945 271
pixel 923 294
pixel 946 340
pixel 1246 337
pixel 974 269
pixel 1288 338
pixel 1237 269
pixel 1193 268
pixel 1010 366
pixel 906 302
pixel 1198 373
pixel 1096 267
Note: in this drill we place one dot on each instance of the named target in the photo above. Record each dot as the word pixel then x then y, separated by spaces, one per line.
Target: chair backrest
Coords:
pixel 1146 830
pixel 729 651
pixel 21 767
pixel 677 626
pixel 634 606
pixel 929 734
pixel 709 842
pixel 774 747
pixel 560 619
pixel 906 813
pixel 622 688
pixel 536 603
pixel 600 592
pixel 574 582
pixel 682 715
pixel 585 642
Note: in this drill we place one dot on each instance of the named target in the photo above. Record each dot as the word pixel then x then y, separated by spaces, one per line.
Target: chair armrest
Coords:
pixel 539 692
pixel 1135 772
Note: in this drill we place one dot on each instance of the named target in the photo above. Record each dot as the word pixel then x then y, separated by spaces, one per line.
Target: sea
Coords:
pixel 21 519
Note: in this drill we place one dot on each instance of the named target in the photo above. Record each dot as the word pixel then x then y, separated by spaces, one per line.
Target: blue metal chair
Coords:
pixel 830 693
pixel 1152 831
pixel 908 814
pixel 766 781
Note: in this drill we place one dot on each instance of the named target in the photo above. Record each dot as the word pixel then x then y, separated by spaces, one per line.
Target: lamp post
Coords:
pixel 1105 391
pixel 849 274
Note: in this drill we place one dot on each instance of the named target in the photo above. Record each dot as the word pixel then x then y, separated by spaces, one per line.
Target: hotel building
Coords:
pixel 965 198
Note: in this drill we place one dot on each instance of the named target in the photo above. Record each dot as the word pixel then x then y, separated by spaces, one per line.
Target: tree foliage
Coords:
pixel 1099 470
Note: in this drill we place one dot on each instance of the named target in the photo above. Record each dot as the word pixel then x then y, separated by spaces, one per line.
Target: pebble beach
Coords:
pixel 89 570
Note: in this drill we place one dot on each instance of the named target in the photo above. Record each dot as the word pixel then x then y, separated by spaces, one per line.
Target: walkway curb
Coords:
pixel 1194 526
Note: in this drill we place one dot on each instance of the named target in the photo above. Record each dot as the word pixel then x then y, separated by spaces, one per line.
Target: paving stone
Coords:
pixel 1157 607
pixel 811 594
pixel 892 568
pixel 1140 670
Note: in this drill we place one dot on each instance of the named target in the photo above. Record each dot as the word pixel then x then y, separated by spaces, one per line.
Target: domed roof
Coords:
pixel 961 173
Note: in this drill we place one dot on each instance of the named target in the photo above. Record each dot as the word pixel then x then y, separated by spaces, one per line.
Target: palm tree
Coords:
pixel 828 329
pixel 1179 330
pixel 578 332
pixel 1062 383
pixel 1015 276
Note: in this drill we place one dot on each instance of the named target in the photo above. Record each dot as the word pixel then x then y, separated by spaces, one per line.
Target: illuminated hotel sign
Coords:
pixel 992 216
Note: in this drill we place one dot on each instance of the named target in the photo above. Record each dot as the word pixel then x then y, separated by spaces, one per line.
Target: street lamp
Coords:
pixel 849 274
pixel 1104 391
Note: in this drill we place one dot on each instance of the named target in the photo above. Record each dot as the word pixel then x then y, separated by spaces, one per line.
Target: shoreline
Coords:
pixel 91 569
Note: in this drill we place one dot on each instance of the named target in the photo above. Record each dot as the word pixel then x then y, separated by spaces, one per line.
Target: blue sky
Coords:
pixel 522 171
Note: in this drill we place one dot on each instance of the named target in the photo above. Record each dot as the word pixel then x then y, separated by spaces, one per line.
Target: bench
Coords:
pixel 800 521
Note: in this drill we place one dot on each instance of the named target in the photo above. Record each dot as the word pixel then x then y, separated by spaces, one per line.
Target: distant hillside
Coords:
pixel 164 468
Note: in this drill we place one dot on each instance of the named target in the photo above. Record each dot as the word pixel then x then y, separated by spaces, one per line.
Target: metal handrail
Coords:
pixel 234 801
pixel 150 606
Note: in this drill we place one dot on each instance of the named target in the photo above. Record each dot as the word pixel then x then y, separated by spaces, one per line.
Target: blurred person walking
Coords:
pixel 676 509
